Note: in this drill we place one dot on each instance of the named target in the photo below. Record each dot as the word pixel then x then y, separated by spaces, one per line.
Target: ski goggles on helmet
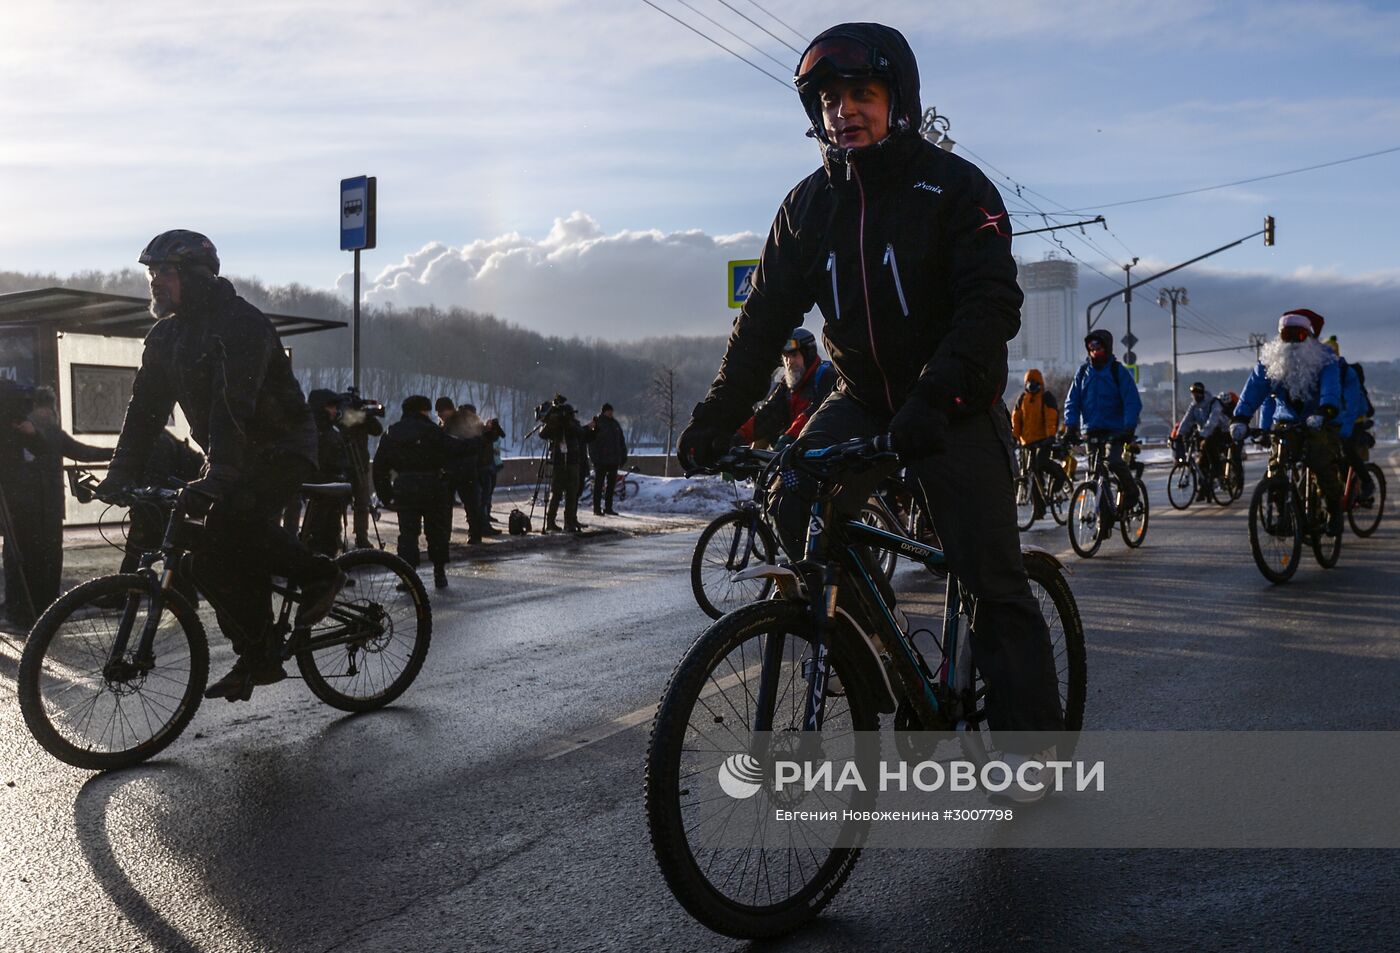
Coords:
pixel 792 346
pixel 839 56
pixel 1293 334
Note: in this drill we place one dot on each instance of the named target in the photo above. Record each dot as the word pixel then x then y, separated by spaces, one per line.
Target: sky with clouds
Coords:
pixel 588 167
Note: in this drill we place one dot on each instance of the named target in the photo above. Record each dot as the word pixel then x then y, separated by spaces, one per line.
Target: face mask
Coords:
pixel 1033 387
pixel 1099 359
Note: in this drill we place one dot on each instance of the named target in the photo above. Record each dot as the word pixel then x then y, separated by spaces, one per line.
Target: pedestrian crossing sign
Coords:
pixel 741 281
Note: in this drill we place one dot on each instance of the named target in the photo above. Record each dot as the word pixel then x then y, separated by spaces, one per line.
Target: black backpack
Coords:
pixel 518 523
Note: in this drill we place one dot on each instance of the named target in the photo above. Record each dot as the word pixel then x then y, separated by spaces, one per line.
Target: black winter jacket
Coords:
pixel 225 366
pixel 607 446
pixel 415 449
pixel 906 249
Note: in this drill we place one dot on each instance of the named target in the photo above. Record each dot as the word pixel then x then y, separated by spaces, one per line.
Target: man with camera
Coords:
pixel 221 360
pixel 323 517
pixel 559 425
pixel 358 421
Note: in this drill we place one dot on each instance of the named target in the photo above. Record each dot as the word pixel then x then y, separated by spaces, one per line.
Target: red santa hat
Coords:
pixel 1302 318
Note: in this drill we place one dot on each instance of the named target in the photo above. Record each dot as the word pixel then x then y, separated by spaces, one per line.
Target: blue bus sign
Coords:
pixel 357 213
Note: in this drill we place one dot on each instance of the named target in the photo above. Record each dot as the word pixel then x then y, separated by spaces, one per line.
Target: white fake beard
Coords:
pixel 1296 366
pixel 792 376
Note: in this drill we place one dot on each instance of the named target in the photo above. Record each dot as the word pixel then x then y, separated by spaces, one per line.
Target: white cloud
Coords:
pixel 577 280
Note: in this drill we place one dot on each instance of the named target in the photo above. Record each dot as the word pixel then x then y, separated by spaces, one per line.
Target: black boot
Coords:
pixel 439 577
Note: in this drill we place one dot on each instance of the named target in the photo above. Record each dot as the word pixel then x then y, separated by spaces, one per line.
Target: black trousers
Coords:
pixel 244 545
pixel 565 484
pixel 969 489
pixel 424 504
pixel 144 534
pixel 604 479
pixel 466 486
pixel 26 554
pixel 1127 486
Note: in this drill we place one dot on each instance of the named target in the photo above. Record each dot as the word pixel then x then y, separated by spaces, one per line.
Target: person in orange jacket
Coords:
pixel 1034 421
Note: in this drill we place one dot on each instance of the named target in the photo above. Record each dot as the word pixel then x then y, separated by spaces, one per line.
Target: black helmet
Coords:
pixel 857 51
pixel 804 341
pixel 1198 388
pixel 182 248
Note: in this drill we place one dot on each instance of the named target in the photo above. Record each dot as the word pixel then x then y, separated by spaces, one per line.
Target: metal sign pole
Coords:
pixel 355 355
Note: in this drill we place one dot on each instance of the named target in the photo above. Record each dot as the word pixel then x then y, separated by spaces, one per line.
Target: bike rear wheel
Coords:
pixel 1059 501
pixel 1085 519
pixel 1132 524
pixel 1327 548
pixel 91 713
pixel 384 599
pixel 732 542
pixel 698 830
pixel 1275 529
pixel 1364 522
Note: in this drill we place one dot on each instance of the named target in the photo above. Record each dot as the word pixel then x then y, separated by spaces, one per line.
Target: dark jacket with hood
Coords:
pixel 906 249
pixel 607 444
pixel 410 459
pixel 221 360
pixel 332 456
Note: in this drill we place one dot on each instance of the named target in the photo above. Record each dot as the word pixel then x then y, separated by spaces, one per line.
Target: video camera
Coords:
pixel 354 409
pixel 554 411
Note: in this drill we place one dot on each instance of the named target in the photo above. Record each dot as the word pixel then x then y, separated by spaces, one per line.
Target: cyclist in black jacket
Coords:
pixel 906 250
pixel 221 360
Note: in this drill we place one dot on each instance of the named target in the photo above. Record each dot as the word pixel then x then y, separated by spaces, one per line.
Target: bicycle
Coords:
pixel 1034 494
pixel 735 540
pixel 1094 505
pixel 115 669
pixel 1186 479
pixel 1364 519
pixel 623 487
pixel 802 667
pixel 1287 508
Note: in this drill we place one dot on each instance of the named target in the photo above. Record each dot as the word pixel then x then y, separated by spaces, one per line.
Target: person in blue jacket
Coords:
pixel 1298 380
pixel 1353 421
pixel 1103 400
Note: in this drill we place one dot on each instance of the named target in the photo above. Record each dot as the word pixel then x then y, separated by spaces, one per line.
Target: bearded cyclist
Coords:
pixel 906 250
pixel 806 382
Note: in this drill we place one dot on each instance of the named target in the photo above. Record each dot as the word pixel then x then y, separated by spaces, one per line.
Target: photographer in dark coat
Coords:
pixel 44 564
pixel 409 475
pixel 559 425
pixel 324 517
pixel 221 360
pixel 20 446
pixel 607 447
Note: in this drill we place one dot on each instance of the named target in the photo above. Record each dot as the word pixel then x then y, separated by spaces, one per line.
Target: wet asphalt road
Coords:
pixel 498 805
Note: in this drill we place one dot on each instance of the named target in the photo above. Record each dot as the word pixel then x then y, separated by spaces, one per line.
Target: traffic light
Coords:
pixel 1268 229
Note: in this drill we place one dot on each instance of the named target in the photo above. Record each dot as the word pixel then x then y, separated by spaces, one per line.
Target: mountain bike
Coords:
pixel 1094 505
pixel 1288 508
pixel 623 487
pixel 1035 494
pixel 1364 515
pixel 115 669
pixel 820 661
pixel 1187 480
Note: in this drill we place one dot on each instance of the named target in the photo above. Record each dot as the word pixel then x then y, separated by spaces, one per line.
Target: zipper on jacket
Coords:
pixel 865 285
pixel 894 270
pixel 835 297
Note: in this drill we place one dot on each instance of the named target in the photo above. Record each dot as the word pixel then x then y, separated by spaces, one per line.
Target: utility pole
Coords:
pixel 1129 357
pixel 1256 341
pixel 1173 296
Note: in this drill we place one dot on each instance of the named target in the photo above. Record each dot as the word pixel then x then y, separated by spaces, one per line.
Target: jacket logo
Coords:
pixel 936 189
pixel 994 222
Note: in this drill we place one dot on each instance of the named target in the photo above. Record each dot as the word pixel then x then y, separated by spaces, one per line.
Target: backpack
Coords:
pixel 518 522
pixel 1368 409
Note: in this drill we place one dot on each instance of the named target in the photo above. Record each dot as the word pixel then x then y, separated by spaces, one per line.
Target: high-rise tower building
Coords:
pixel 1047 335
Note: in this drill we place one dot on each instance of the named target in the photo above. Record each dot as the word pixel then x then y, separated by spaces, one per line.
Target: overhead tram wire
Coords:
pixel 1226 185
pixel 761 27
pixel 795 32
pixel 738 56
pixel 736 36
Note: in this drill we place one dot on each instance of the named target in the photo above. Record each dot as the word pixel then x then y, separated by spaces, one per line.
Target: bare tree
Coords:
pixel 663 397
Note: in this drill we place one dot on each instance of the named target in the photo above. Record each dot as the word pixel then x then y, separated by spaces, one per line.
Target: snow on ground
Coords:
pixel 705 496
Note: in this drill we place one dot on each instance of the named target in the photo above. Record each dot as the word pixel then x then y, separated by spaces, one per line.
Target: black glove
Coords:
pixel 920 429
pixel 213 486
pixel 701 445
pixel 1127 435
pixel 1071 435
pixel 113 489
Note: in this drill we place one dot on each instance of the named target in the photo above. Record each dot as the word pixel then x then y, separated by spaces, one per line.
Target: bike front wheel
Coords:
pixel 1025 503
pixel 721 854
pixel 1326 547
pixel 1365 521
pixel 1132 523
pixel 1085 519
pixel 371 646
pixel 1275 530
pixel 94 708
pixel 1181 486
pixel 732 542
